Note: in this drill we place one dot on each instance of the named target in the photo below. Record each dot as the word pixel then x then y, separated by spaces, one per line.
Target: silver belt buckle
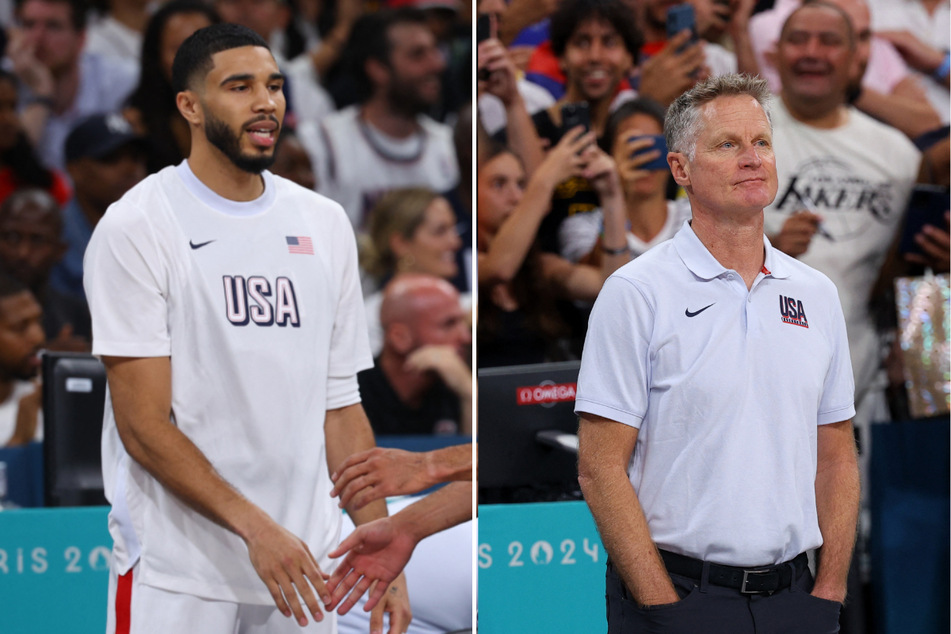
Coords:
pixel 746 577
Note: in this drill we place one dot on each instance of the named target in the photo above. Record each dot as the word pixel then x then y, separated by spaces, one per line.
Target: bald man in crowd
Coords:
pixel 420 383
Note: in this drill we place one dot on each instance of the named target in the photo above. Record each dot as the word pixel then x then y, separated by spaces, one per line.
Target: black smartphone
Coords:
pixel 926 207
pixel 660 144
pixel 575 114
pixel 680 17
pixel 483 27
pixel 483 32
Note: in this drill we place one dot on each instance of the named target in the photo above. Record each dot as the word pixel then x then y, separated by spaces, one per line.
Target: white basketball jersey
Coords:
pixel 259 307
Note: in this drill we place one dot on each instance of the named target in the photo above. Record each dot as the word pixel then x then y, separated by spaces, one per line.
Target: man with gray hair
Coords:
pixel 715 396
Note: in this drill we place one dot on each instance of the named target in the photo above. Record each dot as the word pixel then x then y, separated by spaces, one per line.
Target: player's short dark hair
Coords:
pixel 370 39
pixel 77 11
pixel 193 59
pixel 571 14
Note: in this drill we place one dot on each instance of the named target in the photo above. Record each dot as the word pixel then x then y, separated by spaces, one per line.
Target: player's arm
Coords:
pixel 378 551
pixel 141 390
pixel 380 473
pixel 604 450
pixel 837 505
pixel 348 431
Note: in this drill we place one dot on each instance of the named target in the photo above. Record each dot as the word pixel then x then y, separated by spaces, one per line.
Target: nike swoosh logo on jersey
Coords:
pixel 199 245
pixel 694 314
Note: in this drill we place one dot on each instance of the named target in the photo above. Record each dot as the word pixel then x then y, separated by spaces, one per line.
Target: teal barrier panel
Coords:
pixel 54 570
pixel 541 569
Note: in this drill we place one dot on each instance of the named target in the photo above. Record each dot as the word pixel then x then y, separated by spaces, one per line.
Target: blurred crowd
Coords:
pixel 860 116
pixel 379 119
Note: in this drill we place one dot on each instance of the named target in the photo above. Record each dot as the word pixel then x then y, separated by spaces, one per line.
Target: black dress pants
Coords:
pixel 705 608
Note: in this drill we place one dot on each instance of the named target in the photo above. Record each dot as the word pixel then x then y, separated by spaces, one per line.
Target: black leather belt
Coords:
pixel 753 580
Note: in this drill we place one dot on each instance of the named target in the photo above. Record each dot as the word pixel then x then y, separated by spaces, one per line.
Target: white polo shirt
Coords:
pixel 727 387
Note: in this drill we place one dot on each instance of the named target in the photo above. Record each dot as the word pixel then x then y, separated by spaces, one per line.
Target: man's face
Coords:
pixel 733 171
pixel 48 27
pixel 21 336
pixel 30 243
pixel 243 105
pixel 440 321
pixel 99 182
pixel 413 83
pixel 814 55
pixel 595 61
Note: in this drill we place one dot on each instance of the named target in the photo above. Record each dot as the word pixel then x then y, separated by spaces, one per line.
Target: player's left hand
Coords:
pixel 376 553
pixel 395 602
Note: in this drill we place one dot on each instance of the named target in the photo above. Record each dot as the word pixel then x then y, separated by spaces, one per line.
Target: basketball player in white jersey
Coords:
pixel 227 310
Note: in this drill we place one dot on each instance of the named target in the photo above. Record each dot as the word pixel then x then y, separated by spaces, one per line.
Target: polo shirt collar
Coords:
pixel 701 262
pixel 774 264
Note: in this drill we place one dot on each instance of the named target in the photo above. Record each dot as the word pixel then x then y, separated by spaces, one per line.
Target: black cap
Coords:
pixel 99 135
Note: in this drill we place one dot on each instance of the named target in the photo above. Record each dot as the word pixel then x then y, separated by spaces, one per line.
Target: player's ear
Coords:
pixel 189 106
pixel 679 168
pixel 400 338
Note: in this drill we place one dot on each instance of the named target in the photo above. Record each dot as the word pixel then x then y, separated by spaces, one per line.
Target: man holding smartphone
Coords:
pixel 597 44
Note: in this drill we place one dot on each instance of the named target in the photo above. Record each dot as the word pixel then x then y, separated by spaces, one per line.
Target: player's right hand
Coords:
pixel 288 569
pixel 376 553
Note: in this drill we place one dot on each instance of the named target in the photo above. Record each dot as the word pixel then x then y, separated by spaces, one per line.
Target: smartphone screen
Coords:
pixel 575 114
pixel 680 17
pixel 926 207
pixel 660 144
pixel 483 27
pixel 483 32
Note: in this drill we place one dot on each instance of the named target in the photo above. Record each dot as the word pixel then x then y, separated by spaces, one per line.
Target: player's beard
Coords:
pixel 222 137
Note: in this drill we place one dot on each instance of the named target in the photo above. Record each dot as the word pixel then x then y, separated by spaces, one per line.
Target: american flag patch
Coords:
pixel 300 244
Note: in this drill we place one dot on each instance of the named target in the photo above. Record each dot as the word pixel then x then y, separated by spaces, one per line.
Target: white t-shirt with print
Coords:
pixel 859 177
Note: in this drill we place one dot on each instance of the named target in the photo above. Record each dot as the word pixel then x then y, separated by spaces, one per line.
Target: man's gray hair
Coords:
pixel 682 124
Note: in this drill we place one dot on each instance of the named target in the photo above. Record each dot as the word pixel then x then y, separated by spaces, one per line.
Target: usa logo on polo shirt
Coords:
pixel 792 312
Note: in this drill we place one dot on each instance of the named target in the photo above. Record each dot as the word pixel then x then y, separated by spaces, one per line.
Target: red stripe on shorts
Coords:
pixel 124 603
